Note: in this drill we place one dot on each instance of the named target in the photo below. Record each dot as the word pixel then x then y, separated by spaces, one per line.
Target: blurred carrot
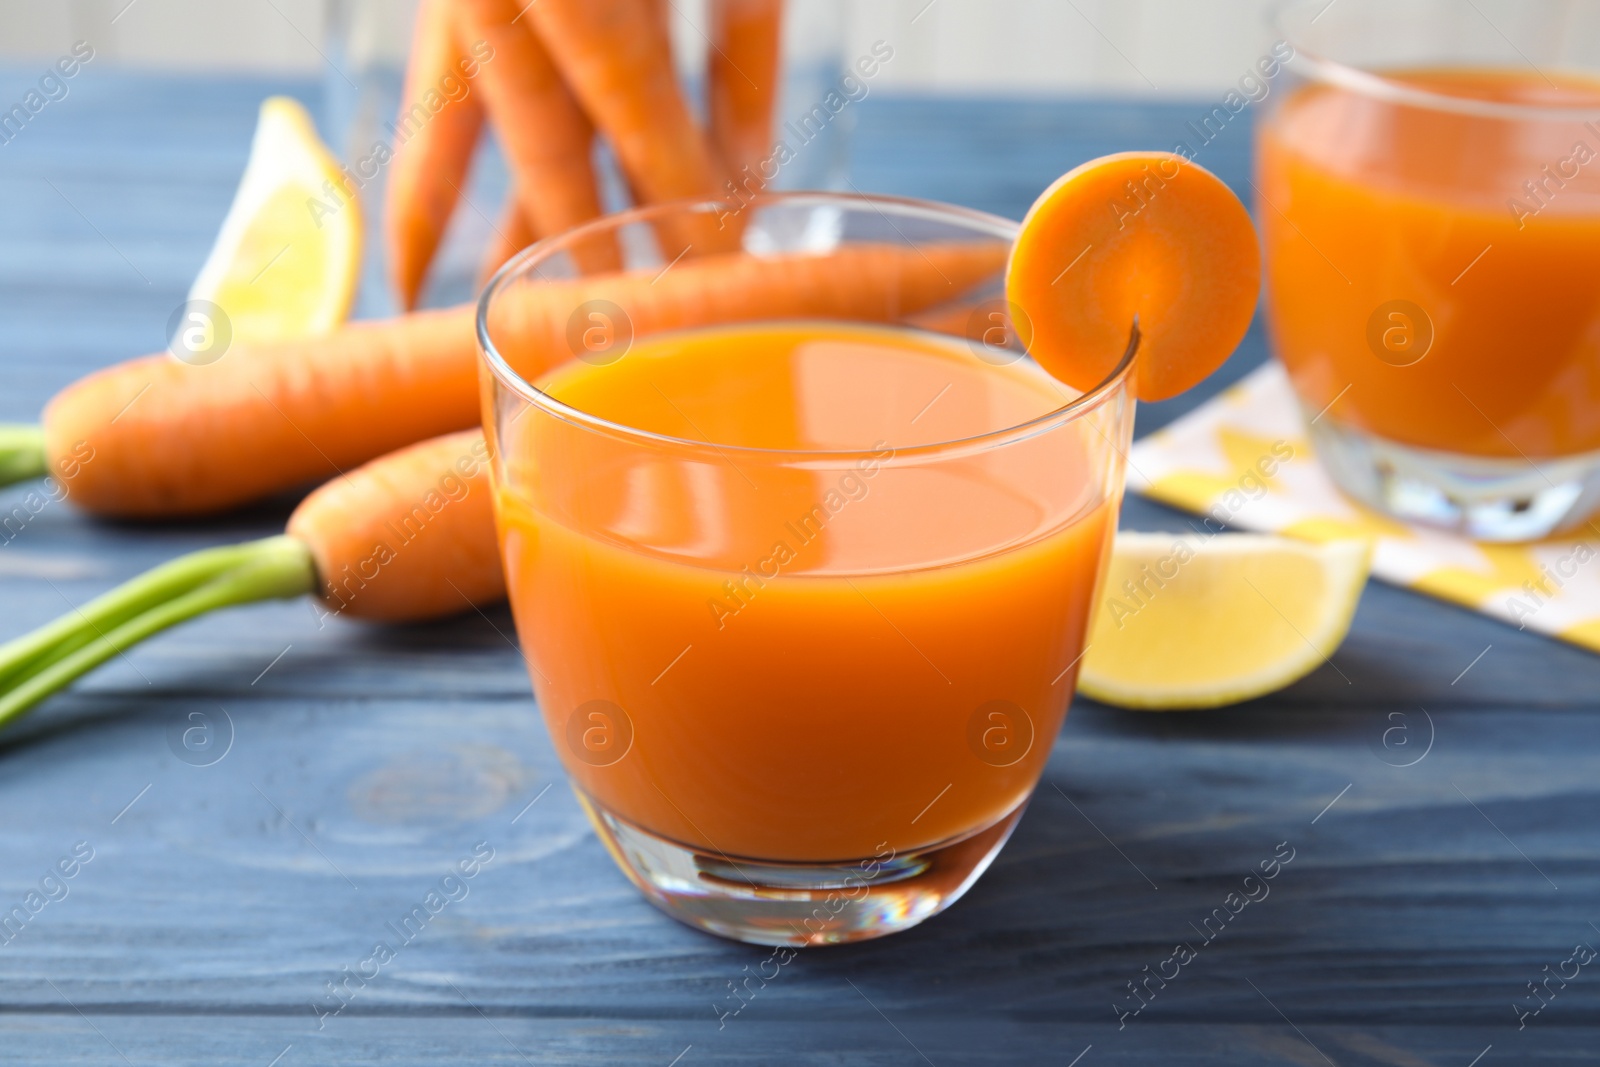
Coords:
pixel 158 437
pixel 617 56
pixel 545 134
pixel 410 536
pixel 434 148
pixel 866 282
pixel 742 78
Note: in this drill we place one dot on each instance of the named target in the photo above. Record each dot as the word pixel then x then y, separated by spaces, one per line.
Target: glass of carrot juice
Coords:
pixel 1429 198
pixel 801 546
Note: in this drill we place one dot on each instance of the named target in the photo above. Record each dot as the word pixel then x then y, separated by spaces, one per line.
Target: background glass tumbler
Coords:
pixel 1429 191
pixel 805 694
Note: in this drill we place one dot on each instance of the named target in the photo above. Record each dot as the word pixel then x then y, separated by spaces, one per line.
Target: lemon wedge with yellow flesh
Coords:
pixel 288 257
pixel 1189 622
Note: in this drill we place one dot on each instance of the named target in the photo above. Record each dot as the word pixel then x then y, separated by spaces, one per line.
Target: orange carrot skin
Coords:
pixel 171 439
pixel 742 77
pixel 408 536
pixel 1186 267
pixel 430 163
pixel 533 326
pixel 617 56
pixel 546 136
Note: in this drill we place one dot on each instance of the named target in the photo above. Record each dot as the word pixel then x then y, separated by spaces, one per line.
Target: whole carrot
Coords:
pixel 163 437
pixel 434 144
pixel 866 282
pixel 159 437
pixel 407 537
pixel 742 78
pixel 545 134
pixel 617 56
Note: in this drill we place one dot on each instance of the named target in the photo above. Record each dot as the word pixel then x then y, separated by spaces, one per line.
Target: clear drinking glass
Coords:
pixel 1430 206
pixel 804 693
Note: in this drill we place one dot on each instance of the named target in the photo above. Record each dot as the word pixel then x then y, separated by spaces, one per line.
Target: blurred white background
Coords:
pixel 1000 46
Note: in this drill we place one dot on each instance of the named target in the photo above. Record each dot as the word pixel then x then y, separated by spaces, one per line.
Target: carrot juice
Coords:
pixel 802 609
pixel 1434 268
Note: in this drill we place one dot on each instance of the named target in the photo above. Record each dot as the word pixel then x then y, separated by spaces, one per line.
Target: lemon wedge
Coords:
pixel 1186 621
pixel 288 257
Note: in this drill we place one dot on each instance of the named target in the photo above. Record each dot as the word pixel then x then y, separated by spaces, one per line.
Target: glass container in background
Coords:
pixel 1430 205
pixel 367 43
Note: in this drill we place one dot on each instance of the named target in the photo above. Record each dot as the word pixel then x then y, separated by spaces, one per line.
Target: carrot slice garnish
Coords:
pixel 1144 236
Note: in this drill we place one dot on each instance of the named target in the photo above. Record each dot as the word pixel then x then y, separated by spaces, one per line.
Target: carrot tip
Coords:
pixel 22 454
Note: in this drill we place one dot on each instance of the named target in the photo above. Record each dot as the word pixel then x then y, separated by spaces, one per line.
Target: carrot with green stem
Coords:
pixel 742 77
pixel 546 136
pixel 438 127
pixel 407 537
pixel 411 535
pixel 159 437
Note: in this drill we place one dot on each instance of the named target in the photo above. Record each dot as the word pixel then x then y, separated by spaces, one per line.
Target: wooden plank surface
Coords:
pixel 220 900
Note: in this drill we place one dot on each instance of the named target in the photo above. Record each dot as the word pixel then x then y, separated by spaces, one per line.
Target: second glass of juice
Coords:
pixel 801 548
pixel 1429 197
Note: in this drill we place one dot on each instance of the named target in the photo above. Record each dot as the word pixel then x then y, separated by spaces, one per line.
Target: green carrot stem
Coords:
pixel 22 456
pixel 46 661
pixel 105 613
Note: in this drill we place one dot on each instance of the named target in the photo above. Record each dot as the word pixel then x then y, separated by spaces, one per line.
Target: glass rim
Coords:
pixel 1324 68
pixel 980 222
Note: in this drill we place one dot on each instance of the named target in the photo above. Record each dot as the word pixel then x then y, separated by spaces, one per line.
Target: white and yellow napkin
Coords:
pixel 1243 458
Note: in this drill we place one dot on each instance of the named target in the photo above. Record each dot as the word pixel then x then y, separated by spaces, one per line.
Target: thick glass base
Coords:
pixel 765 903
pixel 1484 499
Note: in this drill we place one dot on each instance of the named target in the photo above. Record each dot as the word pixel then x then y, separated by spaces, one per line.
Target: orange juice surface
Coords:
pixel 1435 275
pixel 810 657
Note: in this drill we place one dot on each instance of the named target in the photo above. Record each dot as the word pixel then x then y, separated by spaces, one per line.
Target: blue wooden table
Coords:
pixel 212 907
